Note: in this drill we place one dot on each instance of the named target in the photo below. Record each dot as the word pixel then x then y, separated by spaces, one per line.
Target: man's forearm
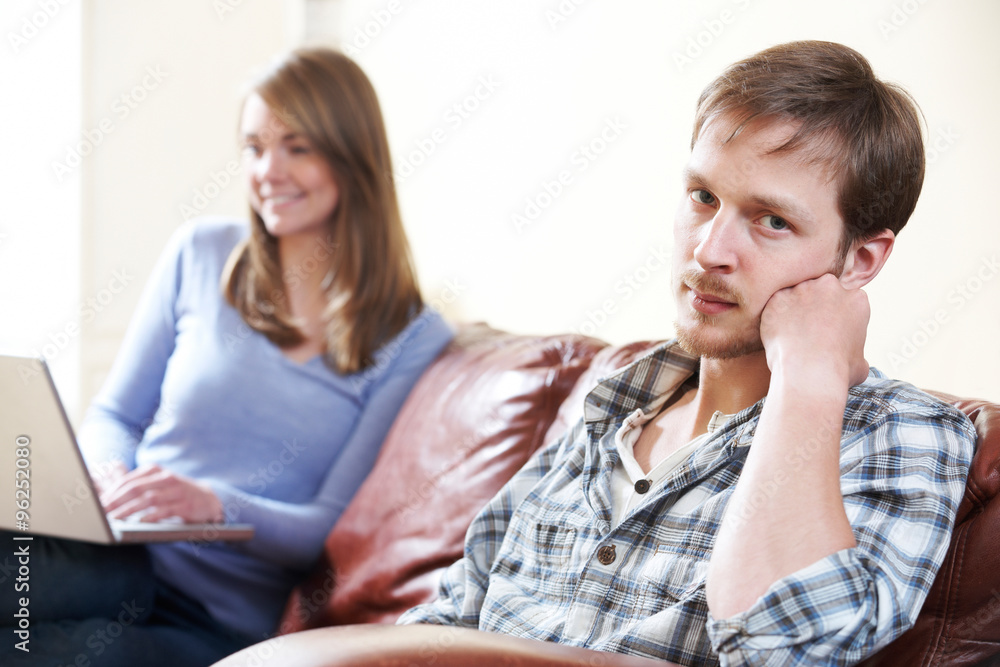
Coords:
pixel 787 511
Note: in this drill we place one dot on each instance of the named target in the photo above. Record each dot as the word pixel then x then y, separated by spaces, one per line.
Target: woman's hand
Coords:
pixel 106 475
pixel 156 494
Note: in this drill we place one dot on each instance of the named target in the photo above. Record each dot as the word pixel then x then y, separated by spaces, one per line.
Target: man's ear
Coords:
pixel 866 259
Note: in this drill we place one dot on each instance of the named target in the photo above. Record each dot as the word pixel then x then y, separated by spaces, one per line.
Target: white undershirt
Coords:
pixel 624 497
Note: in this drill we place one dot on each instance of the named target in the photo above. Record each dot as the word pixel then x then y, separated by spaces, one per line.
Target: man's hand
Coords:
pixel 817 327
pixel 157 494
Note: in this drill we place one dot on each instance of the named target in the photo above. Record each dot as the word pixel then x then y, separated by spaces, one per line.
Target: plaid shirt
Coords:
pixel 542 560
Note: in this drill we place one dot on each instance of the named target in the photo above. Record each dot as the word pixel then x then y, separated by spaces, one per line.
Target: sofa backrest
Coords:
pixel 472 420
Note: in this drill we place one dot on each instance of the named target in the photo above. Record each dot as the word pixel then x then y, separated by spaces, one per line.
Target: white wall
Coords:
pixel 117 114
pixel 39 226
pixel 559 73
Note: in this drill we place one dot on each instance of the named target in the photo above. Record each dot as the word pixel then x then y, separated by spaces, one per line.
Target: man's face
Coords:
pixel 750 223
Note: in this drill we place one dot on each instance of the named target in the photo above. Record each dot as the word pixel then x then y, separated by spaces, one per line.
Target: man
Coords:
pixel 687 517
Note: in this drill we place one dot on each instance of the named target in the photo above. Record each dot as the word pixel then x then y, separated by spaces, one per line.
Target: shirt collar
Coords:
pixel 641 383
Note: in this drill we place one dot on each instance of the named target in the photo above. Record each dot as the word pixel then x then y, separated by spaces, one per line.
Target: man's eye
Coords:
pixel 703 197
pixel 299 150
pixel 774 222
pixel 251 149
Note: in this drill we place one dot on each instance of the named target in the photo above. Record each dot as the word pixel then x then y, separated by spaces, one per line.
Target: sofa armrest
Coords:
pixel 371 645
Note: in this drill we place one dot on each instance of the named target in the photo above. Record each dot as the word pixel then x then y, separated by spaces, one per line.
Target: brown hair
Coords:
pixel 372 292
pixel 867 130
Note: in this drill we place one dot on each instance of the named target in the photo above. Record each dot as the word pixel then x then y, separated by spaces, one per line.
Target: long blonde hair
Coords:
pixel 372 291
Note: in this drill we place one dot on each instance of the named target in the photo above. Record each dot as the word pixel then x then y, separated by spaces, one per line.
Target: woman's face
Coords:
pixel 291 185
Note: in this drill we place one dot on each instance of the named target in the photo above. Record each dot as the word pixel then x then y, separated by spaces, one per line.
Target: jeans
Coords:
pixel 90 605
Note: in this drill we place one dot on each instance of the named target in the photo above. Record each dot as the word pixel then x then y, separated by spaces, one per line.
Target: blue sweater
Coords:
pixel 284 445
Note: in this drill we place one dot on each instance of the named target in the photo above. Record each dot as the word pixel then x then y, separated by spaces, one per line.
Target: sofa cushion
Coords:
pixel 469 424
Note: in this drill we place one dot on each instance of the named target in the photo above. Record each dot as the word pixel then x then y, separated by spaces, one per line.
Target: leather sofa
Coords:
pixel 477 414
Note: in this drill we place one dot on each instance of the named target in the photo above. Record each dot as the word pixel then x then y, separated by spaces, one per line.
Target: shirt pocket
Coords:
pixel 536 552
pixel 670 576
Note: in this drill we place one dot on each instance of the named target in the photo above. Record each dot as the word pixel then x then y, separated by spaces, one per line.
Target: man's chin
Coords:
pixel 717 347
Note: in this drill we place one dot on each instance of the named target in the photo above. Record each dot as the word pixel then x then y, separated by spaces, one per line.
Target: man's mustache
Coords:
pixel 712 285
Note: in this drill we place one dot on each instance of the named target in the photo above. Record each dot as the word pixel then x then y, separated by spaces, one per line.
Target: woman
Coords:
pixel 263 402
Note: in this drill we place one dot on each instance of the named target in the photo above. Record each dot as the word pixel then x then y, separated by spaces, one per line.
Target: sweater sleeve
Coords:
pixel 292 534
pixel 130 396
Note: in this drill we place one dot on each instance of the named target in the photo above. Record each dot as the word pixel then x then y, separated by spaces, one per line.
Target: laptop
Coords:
pixel 51 492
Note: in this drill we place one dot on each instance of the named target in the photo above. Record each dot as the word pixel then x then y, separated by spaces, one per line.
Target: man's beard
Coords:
pixel 696 340
pixel 732 346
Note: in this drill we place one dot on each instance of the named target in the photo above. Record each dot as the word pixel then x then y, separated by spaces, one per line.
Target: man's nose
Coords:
pixel 717 243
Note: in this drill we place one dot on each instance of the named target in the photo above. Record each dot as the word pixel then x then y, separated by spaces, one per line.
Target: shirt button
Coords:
pixel 606 554
pixel 642 486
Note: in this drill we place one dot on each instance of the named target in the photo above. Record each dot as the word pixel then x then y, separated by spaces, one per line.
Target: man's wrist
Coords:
pixel 810 390
pixel 811 374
